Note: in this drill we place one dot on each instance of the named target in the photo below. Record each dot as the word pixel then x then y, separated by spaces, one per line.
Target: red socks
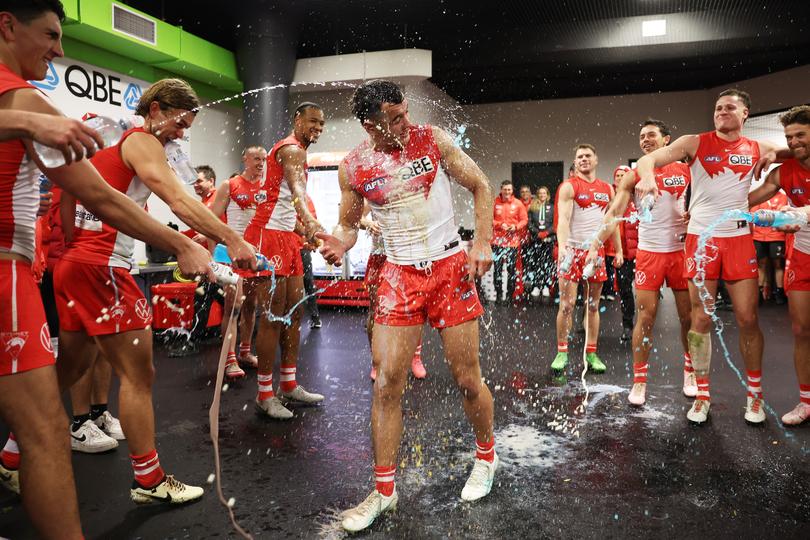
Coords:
pixel 703 388
pixel 754 383
pixel 385 479
pixel 231 359
pixel 10 455
pixel 590 348
pixel 640 373
pixel 265 381
pixel 562 346
pixel 804 393
pixel 148 472
pixel 417 356
pixel 288 383
pixel 687 363
pixel 485 450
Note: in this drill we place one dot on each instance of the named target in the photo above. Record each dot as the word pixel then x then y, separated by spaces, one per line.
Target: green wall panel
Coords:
pixel 71 11
pixel 205 62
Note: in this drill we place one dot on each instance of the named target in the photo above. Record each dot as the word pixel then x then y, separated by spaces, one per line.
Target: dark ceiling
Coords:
pixel 511 50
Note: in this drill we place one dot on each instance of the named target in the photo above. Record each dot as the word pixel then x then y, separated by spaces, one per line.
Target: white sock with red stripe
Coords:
pixel 231 358
pixel 288 382
pixel 590 348
pixel 385 479
pixel 754 377
pixel 244 348
pixel 687 363
pixel 562 346
pixel 417 356
pixel 485 450
pixel 148 472
pixel 640 373
pixel 804 393
pixel 265 381
pixel 703 388
pixel 10 455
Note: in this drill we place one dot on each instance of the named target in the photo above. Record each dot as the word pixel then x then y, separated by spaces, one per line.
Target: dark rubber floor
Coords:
pixel 612 472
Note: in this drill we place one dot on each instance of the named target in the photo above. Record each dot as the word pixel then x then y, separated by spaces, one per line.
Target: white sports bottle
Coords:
pixel 108 128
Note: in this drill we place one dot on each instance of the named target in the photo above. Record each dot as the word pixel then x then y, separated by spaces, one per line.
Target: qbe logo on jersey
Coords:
pixel 739 159
pixel 601 197
pixel 675 181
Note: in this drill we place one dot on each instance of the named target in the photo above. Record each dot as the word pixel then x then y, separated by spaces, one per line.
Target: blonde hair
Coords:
pixel 535 206
pixel 170 94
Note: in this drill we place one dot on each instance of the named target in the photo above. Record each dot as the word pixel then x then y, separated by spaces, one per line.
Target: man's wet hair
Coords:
pixel 304 106
pixel 742 95
pixel 796 115
pixel 28 10
pixel 662 127
pixel 368 99
pixel 207 171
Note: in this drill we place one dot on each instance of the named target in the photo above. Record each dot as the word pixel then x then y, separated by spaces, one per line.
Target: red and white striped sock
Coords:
pixel 485 450
pixel 417 356
pixel 754 377
pixel 703 388
pixel 265 381
pixel 288 382
pixel 804 394
pixel 148 472
pixel 231 358
pixel 590 348
pixel 562 346
pixel 640 373
pixel 244 348
pixel 10 455
pixel 385 479
pixel 687 363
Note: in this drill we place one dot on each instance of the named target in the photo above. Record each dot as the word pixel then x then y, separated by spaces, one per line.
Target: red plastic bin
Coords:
pixel 176 295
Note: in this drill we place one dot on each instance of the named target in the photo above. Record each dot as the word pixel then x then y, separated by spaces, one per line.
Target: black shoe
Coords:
pixel 779 297
pixel 315 322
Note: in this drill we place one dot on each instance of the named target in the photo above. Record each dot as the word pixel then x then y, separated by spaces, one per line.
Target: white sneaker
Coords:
pixel 363 515
pixel 546 292
pixel 699 412
pixel 795 417
pixel 689 384
pixel 302 396
pixel 90 439
pixel 535 292
pixel 754 411
pixel 273 408
pixel 479 483
pixel 638 395
pixel 169 491
pixel 10 479
pixel 111 426
pixel 233 371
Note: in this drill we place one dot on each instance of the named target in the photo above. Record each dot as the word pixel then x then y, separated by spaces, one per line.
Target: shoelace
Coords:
pixel 368 506
pixel 174 484
pixel 479 473
pixel 755 404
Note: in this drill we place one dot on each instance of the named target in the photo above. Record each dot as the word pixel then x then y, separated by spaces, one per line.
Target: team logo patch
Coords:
pixel 641 278
pixel 674 181
pixel 375 183
pixel 582 197
pixel 417 167
pixel 601 197
pixel 117 312
pixel 740 159
pixel 45 338
pixel 797 191
pixel 142 309
pixel 13 343
pixel 276 261
pixel 467 295
pixel 690 264
pixel 713 159
pixel 260 197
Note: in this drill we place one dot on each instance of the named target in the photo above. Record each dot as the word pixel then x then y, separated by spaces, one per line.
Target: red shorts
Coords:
pixel 443 294
pixel 98 300
pixel 797 271
pixel 575 273
pixel 282 249
pixel 653 268
pixel 25 341
pixel 373 268
pixel 730 259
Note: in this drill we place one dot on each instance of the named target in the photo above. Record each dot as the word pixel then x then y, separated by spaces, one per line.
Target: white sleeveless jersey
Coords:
pixel 667 230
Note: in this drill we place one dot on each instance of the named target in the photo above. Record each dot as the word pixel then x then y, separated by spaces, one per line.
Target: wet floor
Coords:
pixel 610 471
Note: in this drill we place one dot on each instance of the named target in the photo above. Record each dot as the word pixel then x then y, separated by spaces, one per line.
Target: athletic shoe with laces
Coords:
pixel 690 388
pixel 170 490
pixel 699 412
pixel 110 425
pixel 754 411
pixel 90 439
pixel 363 515
pixel 638 395
pixel 417 367
pixel 10 479
pixel 799 414
pixel 298 394
pixel 273 408
pixel 597 366
pixel 560 361
pixel 249 360
pixel 479 483
pixel 233 371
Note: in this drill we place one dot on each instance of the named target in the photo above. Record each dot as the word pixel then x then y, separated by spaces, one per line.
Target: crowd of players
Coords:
pixel 397 185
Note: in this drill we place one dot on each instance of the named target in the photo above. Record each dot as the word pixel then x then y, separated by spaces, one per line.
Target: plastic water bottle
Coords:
pixel 180 163
pixel 770 218
pixel 45 184
pixel 590 269
pixel 645 208
pixel 108 128
pixel 223 273
pixel 567 262
pixel 220 255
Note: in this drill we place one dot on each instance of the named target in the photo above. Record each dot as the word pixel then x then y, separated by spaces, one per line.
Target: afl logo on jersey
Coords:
pixel 674 181
pixel 713 159
pixel 417 167
pixel 241 198
pixel 797 191
pixel 737 159
pixel 582 197
pixel 601 197
pixel 374 184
